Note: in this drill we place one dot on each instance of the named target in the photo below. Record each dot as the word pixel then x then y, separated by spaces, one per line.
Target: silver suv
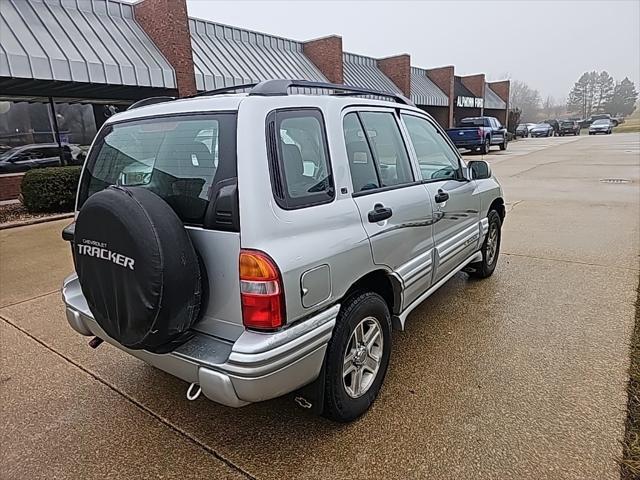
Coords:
pixel 259 243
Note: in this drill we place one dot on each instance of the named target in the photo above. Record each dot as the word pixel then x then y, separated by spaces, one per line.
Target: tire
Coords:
pixel 486 146
pixel 486 267
pixel 138 269
pixel 503 145
pixel 340 403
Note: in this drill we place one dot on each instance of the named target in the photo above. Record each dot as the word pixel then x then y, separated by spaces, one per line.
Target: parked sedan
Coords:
pixel 602 125
pixel 541 130
pixel 522 130
pixel 569 127
pixel 26 157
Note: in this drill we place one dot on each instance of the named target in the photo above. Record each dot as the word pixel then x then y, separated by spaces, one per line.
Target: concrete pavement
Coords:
pixel 519 376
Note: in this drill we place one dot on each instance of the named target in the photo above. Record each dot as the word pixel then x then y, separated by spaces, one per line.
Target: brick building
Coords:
pixel 66 66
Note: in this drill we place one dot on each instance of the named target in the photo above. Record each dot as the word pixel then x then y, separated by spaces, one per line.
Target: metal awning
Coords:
pixel 92 41
pixel 361 71
pixel 226 56
pixel 424 91
pixel 492 100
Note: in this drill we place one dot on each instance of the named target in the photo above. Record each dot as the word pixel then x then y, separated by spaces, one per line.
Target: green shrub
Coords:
pixel 50 189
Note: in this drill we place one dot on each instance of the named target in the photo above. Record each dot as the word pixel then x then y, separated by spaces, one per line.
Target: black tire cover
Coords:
pixel 138 269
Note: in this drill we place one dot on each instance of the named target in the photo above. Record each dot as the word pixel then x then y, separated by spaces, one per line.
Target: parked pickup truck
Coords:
pixel 479 133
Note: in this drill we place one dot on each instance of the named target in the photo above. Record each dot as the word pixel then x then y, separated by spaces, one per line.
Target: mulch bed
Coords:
pixel 16 213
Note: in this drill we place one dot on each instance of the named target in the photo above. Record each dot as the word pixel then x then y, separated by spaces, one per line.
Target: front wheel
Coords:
pixel 490 248
pixel 357 357
pixel 503 145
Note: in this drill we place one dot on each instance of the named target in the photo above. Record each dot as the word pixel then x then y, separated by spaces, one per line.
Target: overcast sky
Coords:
pixel 548 44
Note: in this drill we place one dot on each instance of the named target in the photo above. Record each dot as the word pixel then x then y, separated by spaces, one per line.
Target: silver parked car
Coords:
pixel 602 125
pixel 262 243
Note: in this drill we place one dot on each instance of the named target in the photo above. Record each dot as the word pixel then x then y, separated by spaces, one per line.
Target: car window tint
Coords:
pixel 303 160
pixel 388 148
pixel 435 157
pixel 363 170
pixel 176 158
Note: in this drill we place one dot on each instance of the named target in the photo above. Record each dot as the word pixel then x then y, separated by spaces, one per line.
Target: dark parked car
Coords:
pixel 26 157
pixel 522 130
pixel 541 130
pixel 479 133
pixel 569 127
pixel 600 116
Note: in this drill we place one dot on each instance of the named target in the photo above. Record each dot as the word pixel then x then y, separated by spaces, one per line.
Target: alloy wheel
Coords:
pixel 363 357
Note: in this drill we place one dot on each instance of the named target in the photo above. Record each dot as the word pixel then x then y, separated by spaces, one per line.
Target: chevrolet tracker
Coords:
pixel 260 243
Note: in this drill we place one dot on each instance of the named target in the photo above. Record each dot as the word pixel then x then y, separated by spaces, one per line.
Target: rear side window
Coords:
pixel 299 158
pixel 364 175
pixel 388 148
pixel 182 159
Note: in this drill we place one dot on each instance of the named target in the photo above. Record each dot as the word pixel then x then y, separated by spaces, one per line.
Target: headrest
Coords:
pixel 292 158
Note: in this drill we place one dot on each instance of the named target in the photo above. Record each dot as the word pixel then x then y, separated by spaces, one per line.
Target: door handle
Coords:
pixel 379 213
pixel 441 196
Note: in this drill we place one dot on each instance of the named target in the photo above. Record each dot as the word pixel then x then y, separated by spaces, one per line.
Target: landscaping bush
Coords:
pixel 50 190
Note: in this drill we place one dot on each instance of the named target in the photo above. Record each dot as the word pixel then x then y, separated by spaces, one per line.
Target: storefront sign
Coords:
pixel 469 102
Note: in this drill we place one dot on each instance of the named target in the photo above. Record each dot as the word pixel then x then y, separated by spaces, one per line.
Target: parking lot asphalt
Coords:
pixel 522 375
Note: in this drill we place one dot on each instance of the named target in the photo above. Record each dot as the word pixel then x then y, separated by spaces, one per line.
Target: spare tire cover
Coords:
pixel 137 268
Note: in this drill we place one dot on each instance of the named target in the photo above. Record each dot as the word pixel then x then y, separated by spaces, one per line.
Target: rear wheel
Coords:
pixel 490 248
pixel 357 357
pixel 486 146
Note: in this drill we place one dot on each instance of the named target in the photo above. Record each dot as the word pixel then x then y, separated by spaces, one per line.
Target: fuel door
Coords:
pixel 315 285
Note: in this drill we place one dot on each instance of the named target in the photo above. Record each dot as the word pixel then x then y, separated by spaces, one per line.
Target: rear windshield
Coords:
pixel 472 122
pixel 567 123
pixel 182 159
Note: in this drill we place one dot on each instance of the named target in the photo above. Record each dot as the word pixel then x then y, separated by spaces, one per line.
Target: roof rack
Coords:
pixel 270 88
pixel 150 101
pixel 220 91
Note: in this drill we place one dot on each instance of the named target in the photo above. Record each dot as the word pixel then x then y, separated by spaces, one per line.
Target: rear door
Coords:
pixel 456 228
pixel 190 162
pixel 394 206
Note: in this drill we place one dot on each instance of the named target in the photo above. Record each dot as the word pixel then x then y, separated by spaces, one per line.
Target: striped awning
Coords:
pixel 92 41
pixel 424 91
pixel 361 71
pixel 492 100
pixel 226 56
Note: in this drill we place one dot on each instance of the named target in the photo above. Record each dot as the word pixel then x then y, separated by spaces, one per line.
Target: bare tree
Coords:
pixel 525 98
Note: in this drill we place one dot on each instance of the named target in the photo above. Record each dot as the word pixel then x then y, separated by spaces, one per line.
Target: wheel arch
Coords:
pixel 498 206
pixel 382 282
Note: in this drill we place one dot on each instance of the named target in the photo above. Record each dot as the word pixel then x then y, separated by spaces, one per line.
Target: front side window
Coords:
pixel 436 158
pixel 178 158
pixel 300 167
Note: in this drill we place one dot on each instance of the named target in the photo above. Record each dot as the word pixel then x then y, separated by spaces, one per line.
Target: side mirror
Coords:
pixel 479 170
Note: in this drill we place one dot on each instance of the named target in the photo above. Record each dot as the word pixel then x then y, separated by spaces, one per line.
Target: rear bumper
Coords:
pixel 256 367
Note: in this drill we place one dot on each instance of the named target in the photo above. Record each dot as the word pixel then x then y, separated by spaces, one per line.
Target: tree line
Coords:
pixel 597 92
pixel 594 92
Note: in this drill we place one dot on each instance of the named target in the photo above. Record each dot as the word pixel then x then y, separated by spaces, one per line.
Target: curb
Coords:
pixel 35 221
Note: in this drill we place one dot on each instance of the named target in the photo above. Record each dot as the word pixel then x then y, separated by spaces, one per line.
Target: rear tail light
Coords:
pixel 480 132
pixel 261 291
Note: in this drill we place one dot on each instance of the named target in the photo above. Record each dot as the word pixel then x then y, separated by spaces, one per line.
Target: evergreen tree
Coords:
pixel 603 92
pixel 583 94
pixel 623 100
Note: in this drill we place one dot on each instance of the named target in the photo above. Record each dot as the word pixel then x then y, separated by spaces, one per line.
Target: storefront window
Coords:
pixel 27 134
